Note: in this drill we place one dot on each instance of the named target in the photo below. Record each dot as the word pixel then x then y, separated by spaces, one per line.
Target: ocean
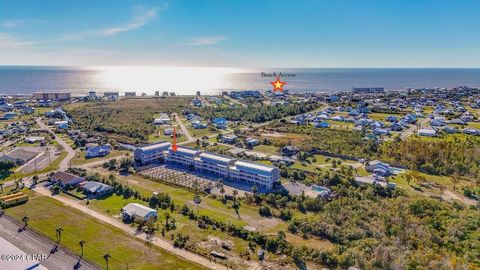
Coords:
pixel 188 80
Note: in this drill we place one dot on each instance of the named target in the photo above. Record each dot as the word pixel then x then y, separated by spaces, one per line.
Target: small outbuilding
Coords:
pixel 136 211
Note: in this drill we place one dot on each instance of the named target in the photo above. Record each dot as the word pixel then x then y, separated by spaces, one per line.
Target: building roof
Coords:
pixel 184 151
pixel 210 157
pixel 98 150
pixel 136 209
pixel 255 168
pixel 155 147
pixel 430 131
pixel 64 177
pixel 92 187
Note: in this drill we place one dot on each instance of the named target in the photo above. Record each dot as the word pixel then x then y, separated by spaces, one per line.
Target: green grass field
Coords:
pixel 46 213
pixel 111 205
pixel 80 159
pixel 267 149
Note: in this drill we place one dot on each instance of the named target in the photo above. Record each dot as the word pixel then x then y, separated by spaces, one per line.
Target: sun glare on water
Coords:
pixel 182 80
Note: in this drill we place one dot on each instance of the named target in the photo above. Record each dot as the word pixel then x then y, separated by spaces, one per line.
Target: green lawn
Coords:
pixel 267 149
pixel 159 136
pixel 46 213
pixel 328 160
pixel 211 207
pixel 382 116
pixel 341 125
pixel 112 204
pixel 80 159
pixel 198 133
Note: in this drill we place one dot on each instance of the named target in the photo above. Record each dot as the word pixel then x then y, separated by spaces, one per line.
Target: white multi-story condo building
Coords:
pixel 183 156
pixel 262 175
pixel 151 153
pixel 226 167
pixel 214 164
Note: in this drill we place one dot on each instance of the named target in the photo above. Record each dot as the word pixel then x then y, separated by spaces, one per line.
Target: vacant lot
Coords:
pixel 127 120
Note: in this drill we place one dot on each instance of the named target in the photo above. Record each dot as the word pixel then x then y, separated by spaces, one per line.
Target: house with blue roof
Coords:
pixel 323 124
pixel 391 118
pixel 9 115
pixel 381 131
pixel 471 131
pixel 98 151
pixel 450 129
pixel 220 122
pixel 333 98
pixel 353 112
pixel 396 127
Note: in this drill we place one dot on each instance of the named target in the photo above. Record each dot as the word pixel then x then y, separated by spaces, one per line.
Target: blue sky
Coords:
pixel 241 33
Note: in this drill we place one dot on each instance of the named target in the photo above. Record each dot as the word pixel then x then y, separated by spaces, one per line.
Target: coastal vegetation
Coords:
pixel 256 113
pixel 447 155
pixel 444 156
pixel 126 120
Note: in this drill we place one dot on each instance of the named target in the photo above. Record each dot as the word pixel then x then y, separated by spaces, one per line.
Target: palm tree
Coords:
pixel 59 234
pixel 81 243
pixel 455 180
pixel 35 179
pixel 167 217
pixel 254 189
pixel 222 190
pixel 25 219
pixel 106 257
pixel 235 193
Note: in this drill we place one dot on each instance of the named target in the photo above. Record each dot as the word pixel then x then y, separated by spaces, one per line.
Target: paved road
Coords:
pixel 190 138
pixel 65 163
pixel 412 129
pixel 34 243
pixel 190 256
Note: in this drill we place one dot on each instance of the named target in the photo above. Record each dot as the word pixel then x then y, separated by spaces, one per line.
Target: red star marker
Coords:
pixel 278 85
pixel 174 146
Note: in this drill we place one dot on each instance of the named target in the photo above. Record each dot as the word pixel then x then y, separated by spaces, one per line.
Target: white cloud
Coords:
pixel 204 41
pixel 17 23
pixel 9 41
pixel 137 22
